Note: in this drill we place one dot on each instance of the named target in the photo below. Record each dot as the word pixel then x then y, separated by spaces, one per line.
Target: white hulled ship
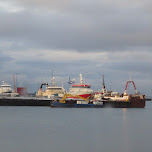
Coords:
pixel 52 90
pixel 5 88
pixel 81 89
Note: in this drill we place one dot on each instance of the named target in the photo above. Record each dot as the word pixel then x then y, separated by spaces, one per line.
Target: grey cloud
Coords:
pixel 84 26
pixel 116 73
pixel 119 30
pixel 132 66
pixel 85 6
pixel 4 59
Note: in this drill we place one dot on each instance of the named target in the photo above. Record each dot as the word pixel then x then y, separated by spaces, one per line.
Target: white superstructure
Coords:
pixel 52 90
pixel 81 89
pixel 5 88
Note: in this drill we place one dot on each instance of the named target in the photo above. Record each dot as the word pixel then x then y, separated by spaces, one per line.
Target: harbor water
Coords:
pixel 45 129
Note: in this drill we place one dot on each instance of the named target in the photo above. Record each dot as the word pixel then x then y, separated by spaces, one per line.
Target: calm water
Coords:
pixel 44 129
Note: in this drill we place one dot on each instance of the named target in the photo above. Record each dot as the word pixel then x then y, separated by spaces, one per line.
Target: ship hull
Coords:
pixel 81 95
pixel 133 102
pixel 73 105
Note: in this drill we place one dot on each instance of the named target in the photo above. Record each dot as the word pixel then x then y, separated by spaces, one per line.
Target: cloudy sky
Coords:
pixel 110 37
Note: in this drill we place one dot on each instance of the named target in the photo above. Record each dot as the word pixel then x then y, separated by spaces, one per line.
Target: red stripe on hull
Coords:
pixel 82 95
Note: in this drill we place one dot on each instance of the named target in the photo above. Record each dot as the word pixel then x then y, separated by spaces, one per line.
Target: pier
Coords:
pixel 24 101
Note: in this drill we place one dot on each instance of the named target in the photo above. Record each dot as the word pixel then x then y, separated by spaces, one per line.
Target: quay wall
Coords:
pixel 24 102
pixel 134 102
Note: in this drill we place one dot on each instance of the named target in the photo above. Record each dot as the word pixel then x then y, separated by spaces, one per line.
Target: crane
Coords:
pixel 70 95
pixel 130 81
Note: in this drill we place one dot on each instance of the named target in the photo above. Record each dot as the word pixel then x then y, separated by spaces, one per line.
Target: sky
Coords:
pixel 110 37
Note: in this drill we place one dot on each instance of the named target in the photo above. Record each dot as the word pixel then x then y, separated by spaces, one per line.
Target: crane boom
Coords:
pixel 70 95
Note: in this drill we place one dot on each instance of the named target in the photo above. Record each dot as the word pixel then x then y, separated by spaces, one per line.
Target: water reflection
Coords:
pixel 125 131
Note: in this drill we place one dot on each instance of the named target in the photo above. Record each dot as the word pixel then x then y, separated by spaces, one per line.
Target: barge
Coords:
pixel 133 101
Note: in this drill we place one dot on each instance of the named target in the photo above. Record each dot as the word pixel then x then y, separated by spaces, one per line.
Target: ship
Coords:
pixel 51 90
pixel 114 96
pixel 6 90
pixel 81 89
pixel 124 100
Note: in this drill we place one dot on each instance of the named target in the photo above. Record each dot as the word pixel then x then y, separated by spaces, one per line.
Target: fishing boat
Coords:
pixel 52 90
pixel 81 89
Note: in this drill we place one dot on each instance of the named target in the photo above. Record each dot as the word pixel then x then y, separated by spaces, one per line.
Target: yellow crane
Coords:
pixel 70 95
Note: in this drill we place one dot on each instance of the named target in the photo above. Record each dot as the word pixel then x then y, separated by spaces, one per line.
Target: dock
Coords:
pixel 24 101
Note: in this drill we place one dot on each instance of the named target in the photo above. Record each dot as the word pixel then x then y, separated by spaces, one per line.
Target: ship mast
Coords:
pixel 14 84
pixel 103 85
pixel 52 80
pixel 81 79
